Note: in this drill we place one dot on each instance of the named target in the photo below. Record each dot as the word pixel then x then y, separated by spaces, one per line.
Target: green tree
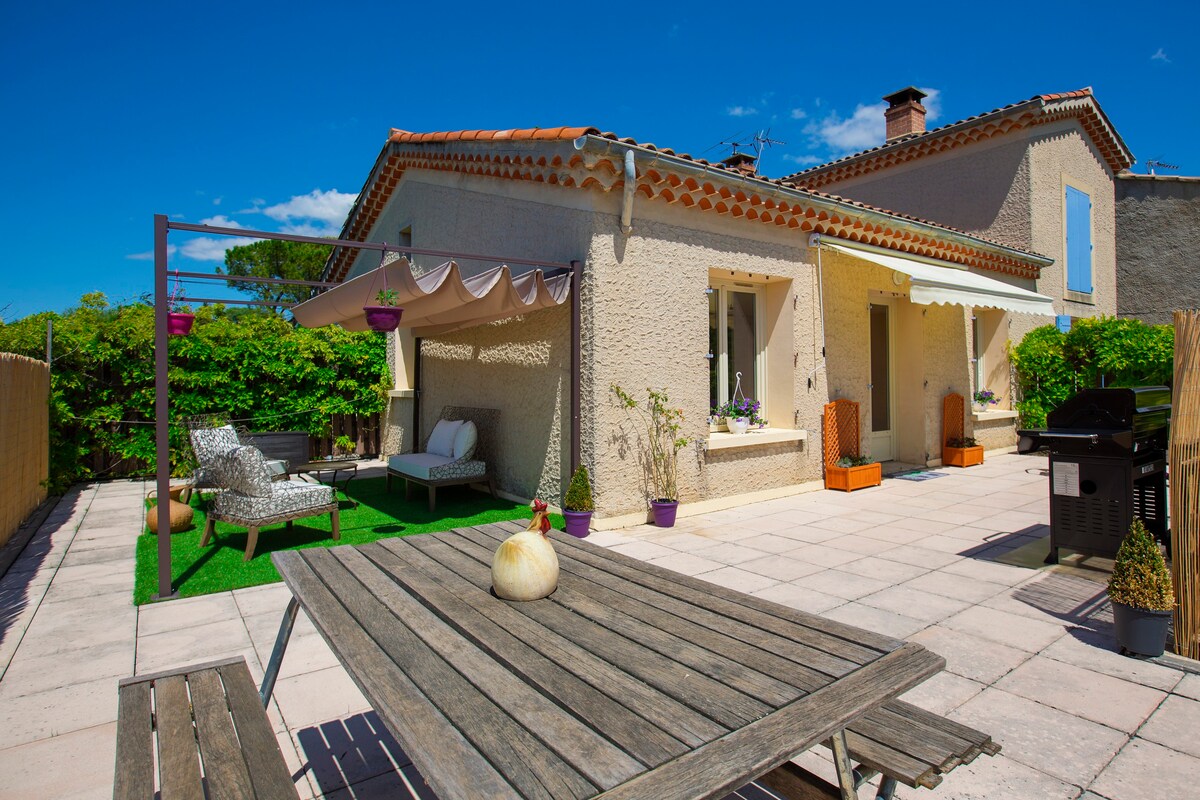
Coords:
pixel 270 258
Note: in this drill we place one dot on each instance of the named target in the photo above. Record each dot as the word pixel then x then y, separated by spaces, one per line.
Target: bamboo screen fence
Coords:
pixel 24 438
pixel 1185 483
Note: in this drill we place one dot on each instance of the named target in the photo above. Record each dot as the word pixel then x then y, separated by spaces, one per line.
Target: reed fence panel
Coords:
pixel 1185 483
pixel 24 438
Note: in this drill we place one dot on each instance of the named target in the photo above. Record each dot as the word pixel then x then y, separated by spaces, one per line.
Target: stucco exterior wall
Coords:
pixel 1158 246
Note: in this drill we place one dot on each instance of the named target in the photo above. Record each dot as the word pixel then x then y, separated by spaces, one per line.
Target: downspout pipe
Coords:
pixel 630 191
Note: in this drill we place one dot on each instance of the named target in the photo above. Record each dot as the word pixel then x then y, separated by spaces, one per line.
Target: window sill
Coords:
pixel 401 393
pixel 984 416
pixel 1079 297
pixel 754 437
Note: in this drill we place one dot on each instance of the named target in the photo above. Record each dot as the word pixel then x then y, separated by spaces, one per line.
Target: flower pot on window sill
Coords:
pixel 737 424
pixel 179 324
pixel 962 456
pixel 847 479
pixel 382 318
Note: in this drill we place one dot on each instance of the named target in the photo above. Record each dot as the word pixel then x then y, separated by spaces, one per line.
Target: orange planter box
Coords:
pixel 962 456
pixel 847 479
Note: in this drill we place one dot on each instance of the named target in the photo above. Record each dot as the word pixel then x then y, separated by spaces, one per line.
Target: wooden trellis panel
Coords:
pixel 953 414
pixel 841 430
pixel 1185 483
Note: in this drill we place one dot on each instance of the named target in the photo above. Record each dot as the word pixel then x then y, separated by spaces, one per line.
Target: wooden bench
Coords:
pixel 899 741
pixel 213 737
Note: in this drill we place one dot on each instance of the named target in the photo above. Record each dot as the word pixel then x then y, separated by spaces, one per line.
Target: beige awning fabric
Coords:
pixel 440 301
pixel 951 284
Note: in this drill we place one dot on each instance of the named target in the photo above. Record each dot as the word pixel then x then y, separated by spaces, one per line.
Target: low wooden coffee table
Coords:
pixel 335 466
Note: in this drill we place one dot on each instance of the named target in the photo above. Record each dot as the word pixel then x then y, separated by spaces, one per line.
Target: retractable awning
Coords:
pixel 950 284
pixel 439 301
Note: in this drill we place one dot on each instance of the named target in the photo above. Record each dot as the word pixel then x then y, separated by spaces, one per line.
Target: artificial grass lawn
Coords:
pixel 218 567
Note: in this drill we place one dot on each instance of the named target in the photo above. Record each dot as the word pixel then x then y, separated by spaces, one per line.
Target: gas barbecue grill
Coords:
pixel 1108 464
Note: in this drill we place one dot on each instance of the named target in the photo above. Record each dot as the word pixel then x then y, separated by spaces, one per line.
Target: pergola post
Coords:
pixel 576 362
pixel 161 438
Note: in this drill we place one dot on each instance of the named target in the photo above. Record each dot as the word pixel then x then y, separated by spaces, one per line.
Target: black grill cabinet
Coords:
pixel 1108 464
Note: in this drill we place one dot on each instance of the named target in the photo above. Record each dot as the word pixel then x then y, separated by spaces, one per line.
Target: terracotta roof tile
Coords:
pixel 561 132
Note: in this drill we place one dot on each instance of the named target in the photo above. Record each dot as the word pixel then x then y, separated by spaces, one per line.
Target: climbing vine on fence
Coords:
pixel 1105 351
pixel 251 365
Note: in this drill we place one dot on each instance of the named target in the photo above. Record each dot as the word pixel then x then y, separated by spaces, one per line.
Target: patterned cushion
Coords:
pixel 244 470
pixel 465 440
pixel 441 441
pixel 209 444
pixel 286 498
pixel 458 469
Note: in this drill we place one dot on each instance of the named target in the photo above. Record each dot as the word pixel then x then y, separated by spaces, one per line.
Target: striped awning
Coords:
pixel 438 301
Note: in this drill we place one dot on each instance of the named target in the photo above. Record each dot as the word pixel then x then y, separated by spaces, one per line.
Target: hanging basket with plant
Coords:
pixel 179 318
pixel 384 316
pixel 1141 593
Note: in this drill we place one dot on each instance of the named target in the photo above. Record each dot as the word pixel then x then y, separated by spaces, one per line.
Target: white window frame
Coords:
pixel 721 289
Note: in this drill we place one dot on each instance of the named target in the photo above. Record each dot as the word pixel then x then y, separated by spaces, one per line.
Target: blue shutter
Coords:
pixel 1079 241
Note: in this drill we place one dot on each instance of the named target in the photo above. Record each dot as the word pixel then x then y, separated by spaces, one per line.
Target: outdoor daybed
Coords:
pixel 457 451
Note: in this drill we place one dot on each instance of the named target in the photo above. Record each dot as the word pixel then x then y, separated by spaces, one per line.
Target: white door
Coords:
pixel 882 397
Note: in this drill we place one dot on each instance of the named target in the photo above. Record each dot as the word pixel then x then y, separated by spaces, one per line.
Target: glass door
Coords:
pixel 882 409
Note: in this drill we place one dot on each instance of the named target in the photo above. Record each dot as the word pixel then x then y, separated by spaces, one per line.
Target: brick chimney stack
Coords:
pixel 742 162
pixel 905 115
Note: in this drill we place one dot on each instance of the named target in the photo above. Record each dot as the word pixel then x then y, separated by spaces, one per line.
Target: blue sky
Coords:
pixel 269 115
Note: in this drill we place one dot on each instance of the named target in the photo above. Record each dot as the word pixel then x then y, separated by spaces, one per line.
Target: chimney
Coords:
pixel 905 115
pixel 741 162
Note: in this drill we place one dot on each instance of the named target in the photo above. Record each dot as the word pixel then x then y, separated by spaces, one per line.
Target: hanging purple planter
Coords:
pixel 179 324
pixel 664 512
pixel 382 318
pixel 578 522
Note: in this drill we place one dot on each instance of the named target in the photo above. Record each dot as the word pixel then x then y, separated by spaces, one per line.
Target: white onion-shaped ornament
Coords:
pixel 525 566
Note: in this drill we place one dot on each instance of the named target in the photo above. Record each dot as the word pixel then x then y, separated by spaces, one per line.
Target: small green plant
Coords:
pixel 387 297
pixel 845 462
pixel 1140 578
pixel 344 445
pixel 965 441
pixel 663 424
pixel 579 493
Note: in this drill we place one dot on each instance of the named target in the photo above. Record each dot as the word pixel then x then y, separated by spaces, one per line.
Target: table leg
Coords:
pixel 281 643
pixel 346 486
pixel 845 769
pixel 887 789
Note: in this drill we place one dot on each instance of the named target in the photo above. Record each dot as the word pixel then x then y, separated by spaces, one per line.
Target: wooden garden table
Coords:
pixel 630 681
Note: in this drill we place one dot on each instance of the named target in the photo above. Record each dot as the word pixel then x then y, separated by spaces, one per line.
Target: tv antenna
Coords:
pixel 1154 162
pixel 759 142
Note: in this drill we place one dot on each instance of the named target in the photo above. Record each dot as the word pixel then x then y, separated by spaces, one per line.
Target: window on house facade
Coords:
pixel 735 314
pixel 1079 240
pixel 989 333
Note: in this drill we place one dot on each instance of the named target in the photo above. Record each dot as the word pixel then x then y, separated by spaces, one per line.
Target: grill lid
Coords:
pixel 1145 410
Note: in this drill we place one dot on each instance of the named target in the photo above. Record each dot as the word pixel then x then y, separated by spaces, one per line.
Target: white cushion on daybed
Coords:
pixel 441 441
pixel 417 464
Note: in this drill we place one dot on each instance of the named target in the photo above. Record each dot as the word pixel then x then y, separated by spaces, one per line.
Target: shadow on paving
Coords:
pixel 24 555
pixel 345 752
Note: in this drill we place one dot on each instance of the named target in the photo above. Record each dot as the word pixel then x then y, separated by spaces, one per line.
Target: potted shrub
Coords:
pixel 1141 594
pixel 578 505
pixel 853 472
pixel 962 452
pixel 984 399
pixel 663 443
pixel 384 316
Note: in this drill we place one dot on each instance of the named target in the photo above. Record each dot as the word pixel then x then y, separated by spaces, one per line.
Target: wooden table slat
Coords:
pixel 178 758
pixel 429 739
pixel 260 749
pixel 638 736
pixel 909 732
pixel 591 755
pixel 224 769
pixel 721 703
pixel 886 759
pixel 534 769
pixel 830 636
pixel 883 728
pixel 715 769
pixel 916 713
pixel 135 744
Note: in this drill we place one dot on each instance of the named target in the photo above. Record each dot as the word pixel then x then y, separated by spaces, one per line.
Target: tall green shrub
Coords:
pixel 248 364
pixel 1106 351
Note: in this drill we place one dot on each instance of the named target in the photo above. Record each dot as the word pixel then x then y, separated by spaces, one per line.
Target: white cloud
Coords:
pixel 804 160
pixel 221 221
pixel 932 103
pixel 149 254
pixel 217 201
pixel 741 111
pixel 328 208
pixel 1160 55
pixel 799 113
pixel 864 129
pixel 212 249
pixel 308 229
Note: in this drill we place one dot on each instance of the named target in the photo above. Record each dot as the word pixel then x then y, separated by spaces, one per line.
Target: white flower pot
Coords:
pixel 739 424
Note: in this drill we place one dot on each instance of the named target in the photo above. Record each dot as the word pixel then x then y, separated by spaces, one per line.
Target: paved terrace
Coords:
pixel 951 562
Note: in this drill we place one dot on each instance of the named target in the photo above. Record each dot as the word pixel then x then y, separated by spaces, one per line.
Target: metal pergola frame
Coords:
pixel 163 226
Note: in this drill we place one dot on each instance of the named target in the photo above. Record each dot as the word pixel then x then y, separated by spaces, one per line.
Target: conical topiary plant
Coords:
pixel 1140 578
pixel 579 493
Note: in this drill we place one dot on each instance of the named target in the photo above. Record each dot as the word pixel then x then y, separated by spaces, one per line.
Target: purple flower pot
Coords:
pixel 578 523
pixel 664 512
pixel 179 324
pixel 382 318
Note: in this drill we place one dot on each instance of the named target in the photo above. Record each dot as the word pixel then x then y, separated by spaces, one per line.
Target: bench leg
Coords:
pixel 432 498
pixel 492 487
pixel 407 489
pixel 208 530
pixel 336 524
pixel 845 770
pixel 887 788
pixel 281 643
pixel 251 542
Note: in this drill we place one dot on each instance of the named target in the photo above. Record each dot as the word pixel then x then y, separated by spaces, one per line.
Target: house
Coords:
pixel 1037 175
pixel 691 272
pixel 1158 236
